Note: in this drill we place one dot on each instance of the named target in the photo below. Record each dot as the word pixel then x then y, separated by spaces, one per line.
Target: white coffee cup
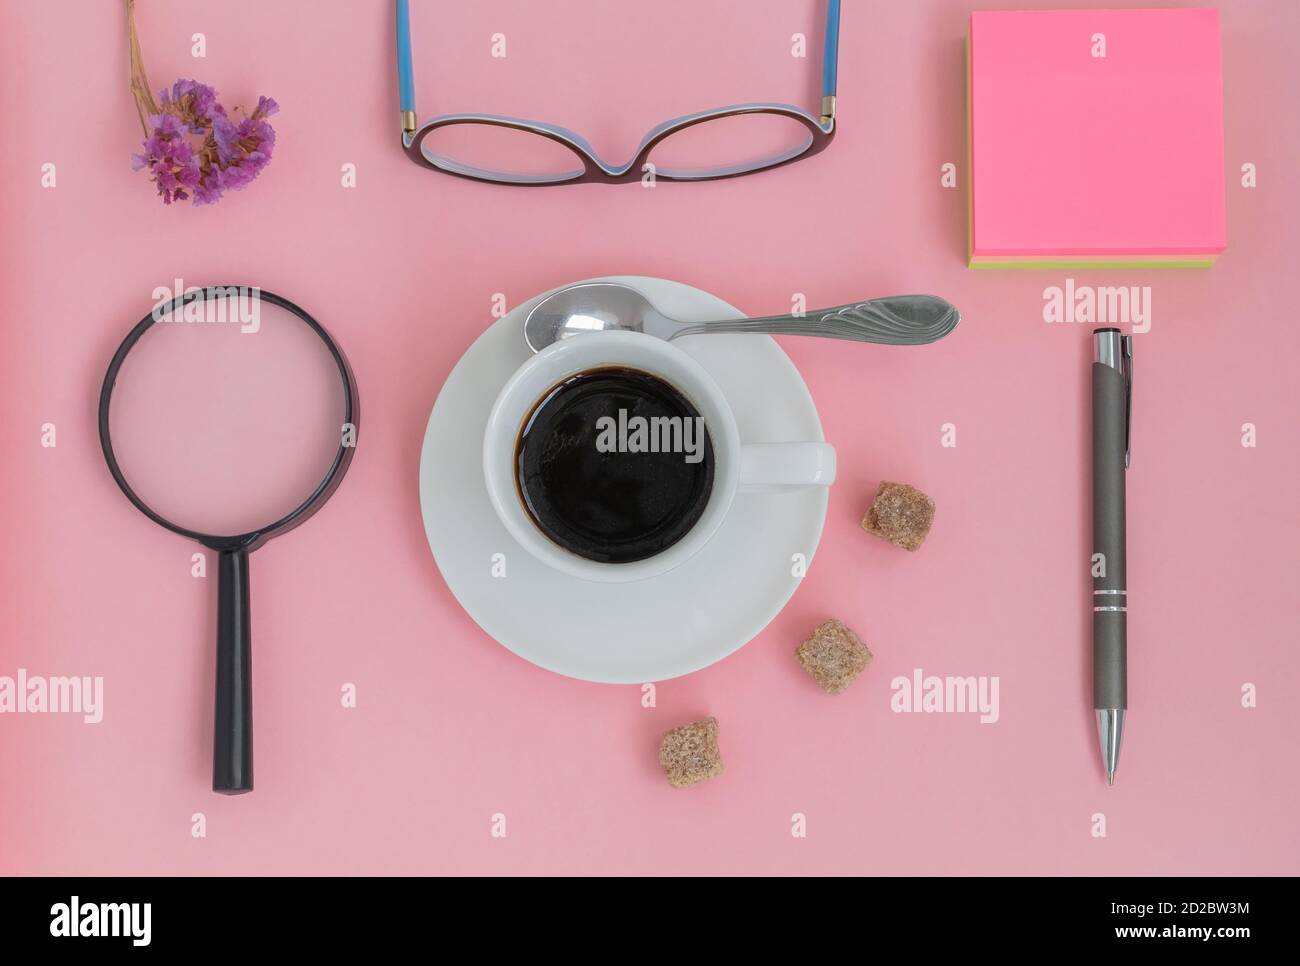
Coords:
pixel 737 466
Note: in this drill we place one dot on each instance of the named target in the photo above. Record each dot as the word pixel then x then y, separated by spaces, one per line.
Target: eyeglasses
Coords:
pixel 722 143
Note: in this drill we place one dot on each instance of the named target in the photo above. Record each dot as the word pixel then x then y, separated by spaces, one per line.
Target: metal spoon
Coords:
pixel 603 306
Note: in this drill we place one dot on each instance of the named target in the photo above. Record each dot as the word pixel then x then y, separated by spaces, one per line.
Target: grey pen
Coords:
pixel 1112 424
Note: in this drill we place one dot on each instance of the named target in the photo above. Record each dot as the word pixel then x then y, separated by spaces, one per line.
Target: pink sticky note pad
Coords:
pixel 1078 158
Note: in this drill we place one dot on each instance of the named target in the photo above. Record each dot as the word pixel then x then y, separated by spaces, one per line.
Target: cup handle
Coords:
pixel 768 466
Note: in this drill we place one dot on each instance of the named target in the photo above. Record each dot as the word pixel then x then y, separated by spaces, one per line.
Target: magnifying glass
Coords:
pixel 228 415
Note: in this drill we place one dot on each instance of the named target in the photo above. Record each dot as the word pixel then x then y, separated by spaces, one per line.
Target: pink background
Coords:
pixel 450 727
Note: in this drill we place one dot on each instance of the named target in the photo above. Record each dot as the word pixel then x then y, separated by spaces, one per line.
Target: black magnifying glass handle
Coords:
pixel 232 742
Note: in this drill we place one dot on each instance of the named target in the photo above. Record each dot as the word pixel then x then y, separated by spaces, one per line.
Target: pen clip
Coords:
pixel 1126 369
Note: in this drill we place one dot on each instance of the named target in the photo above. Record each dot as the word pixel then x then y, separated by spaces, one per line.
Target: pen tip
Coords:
pixel 1110 778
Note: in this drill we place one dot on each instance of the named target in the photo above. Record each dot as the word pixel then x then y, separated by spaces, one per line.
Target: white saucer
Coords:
pixel 647 630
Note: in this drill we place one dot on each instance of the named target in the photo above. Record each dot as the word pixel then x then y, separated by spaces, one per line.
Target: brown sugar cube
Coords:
pixel 834 656
pixel 901 514
pixel 690 753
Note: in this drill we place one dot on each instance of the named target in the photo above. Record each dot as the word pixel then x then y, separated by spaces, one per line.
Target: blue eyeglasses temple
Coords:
pixel 406 79
pixel 831 53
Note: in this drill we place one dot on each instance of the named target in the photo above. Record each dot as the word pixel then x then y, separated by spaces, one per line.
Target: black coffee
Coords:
pixel 614 464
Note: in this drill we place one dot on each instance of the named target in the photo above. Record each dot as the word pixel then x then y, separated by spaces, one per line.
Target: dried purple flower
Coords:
pixel 208 190
pixel 229 156
pixel 194 103
pixel 171 161
pixel 243 149
pixel 266 106
pixel 191 148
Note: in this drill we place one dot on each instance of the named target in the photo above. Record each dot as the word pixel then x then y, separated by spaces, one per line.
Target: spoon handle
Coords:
pixel 900 320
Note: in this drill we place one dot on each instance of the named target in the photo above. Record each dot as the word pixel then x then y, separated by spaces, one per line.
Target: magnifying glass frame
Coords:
pixel 232 765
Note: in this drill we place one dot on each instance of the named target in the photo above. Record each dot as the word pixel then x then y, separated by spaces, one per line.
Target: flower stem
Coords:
pixel 145 105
